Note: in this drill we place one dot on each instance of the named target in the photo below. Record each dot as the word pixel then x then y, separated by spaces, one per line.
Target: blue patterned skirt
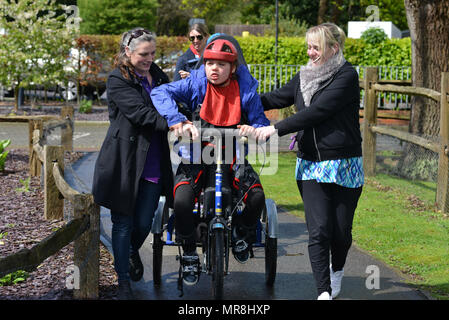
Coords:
pixel 345 172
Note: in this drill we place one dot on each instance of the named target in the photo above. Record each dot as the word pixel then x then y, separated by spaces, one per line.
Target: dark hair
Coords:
pixel 121 60
pixel 199 27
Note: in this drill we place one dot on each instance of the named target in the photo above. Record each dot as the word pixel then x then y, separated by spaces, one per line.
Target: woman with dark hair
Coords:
pixel 198 35
pixel 133 168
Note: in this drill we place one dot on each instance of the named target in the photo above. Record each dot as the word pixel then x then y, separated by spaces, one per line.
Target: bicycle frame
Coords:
pixel 219 221
pixel 216 235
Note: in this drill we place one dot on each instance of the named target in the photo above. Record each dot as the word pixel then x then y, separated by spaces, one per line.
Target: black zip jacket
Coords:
pixel 329 128
pixel 186 62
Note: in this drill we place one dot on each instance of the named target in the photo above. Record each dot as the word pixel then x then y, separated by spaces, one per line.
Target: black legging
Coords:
pixel 185 201
pixel 329 209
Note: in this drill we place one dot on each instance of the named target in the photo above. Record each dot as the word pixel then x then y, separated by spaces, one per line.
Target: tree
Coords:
pixel 211 11
pixel 322 11
pixel 262 11
pixel 116 16
pixel 429 33
pixel 35 44
pixel 172 20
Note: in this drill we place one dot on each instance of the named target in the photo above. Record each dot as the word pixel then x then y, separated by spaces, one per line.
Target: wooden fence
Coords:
pixel 372 86
pixel 83 229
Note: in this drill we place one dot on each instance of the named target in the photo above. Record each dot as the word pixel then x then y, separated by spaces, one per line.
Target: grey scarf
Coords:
pixel 312 77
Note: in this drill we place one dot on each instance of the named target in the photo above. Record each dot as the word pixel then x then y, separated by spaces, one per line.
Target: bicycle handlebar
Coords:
pixel 215 132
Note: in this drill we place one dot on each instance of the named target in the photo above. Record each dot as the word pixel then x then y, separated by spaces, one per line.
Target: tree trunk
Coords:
pixel 16 99
pixel 429 33
pixel 336 11
pixel 322 11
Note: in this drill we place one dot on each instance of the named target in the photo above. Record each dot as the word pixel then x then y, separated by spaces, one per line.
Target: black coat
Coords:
pixel 329 128
pixel 186 62
pixel 121 160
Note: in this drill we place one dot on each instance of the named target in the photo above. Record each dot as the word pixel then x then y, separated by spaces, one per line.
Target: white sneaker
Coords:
pixel 324 296
pixel 336 278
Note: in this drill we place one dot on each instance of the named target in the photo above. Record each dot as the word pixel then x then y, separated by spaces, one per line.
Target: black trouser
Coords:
pixel 184 202
pixel 329 210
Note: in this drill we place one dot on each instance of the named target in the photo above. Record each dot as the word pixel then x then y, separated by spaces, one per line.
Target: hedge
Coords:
pixel 261 50
pixel 392 52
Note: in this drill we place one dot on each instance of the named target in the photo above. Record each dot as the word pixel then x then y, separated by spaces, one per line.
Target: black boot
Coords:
pixel 124 290
pixel 135 267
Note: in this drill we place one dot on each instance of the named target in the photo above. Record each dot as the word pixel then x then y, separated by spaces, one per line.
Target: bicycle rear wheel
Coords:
pixel 271 252
pixel 217 251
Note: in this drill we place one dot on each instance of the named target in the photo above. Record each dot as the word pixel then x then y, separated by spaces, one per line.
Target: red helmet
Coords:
pixel 220 49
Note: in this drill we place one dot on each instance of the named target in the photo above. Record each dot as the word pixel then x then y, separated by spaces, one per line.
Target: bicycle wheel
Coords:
pixel 271 255
pixel 217 256
pixel 157 259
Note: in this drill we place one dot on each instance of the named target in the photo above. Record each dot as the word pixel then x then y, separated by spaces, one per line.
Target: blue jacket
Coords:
pixel 192 91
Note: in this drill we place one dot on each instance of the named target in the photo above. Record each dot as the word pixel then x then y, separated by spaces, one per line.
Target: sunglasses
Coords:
pixel 199 38
pixel 137 34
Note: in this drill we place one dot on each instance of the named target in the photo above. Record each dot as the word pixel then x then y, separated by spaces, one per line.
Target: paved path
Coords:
pixel 294 279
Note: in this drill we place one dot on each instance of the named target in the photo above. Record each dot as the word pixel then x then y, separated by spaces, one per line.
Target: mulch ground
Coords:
pixel 22 226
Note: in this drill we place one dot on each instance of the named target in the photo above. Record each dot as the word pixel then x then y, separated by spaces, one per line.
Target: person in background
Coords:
pixel 198 35
pixel 329 167
pixel 133 168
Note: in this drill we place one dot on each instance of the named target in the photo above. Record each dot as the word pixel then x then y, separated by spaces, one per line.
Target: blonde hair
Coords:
pixel 326 35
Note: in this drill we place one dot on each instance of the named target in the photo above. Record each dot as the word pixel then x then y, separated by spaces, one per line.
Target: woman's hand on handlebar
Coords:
pixel 263 133
pixel 246 130
pixel 185 128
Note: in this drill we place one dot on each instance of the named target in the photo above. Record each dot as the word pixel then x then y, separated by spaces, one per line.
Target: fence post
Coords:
pixel 443 160
pixel 53 200
pixel 34 162
pixel 369 119
pixel 67 131
pixel 87 248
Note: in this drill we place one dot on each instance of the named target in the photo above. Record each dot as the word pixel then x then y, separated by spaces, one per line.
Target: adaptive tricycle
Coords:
pixel 214 230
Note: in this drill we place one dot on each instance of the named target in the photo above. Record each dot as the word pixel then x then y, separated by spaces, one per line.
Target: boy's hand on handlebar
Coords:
pixel 263 133
pixel 246 130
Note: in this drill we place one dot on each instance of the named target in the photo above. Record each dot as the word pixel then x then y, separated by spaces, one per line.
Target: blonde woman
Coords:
pixel 329 169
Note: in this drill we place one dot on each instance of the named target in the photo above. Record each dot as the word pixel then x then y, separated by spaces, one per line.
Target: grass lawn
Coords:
pixel 395 221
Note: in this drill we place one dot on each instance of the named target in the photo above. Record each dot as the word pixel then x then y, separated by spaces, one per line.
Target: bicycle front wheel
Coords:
pixel 217 256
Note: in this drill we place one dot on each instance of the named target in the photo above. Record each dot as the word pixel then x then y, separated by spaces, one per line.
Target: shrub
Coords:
pixel 13 278
pixel 291 50
pixel 85 106
pixel 374 36
pixel 3 153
